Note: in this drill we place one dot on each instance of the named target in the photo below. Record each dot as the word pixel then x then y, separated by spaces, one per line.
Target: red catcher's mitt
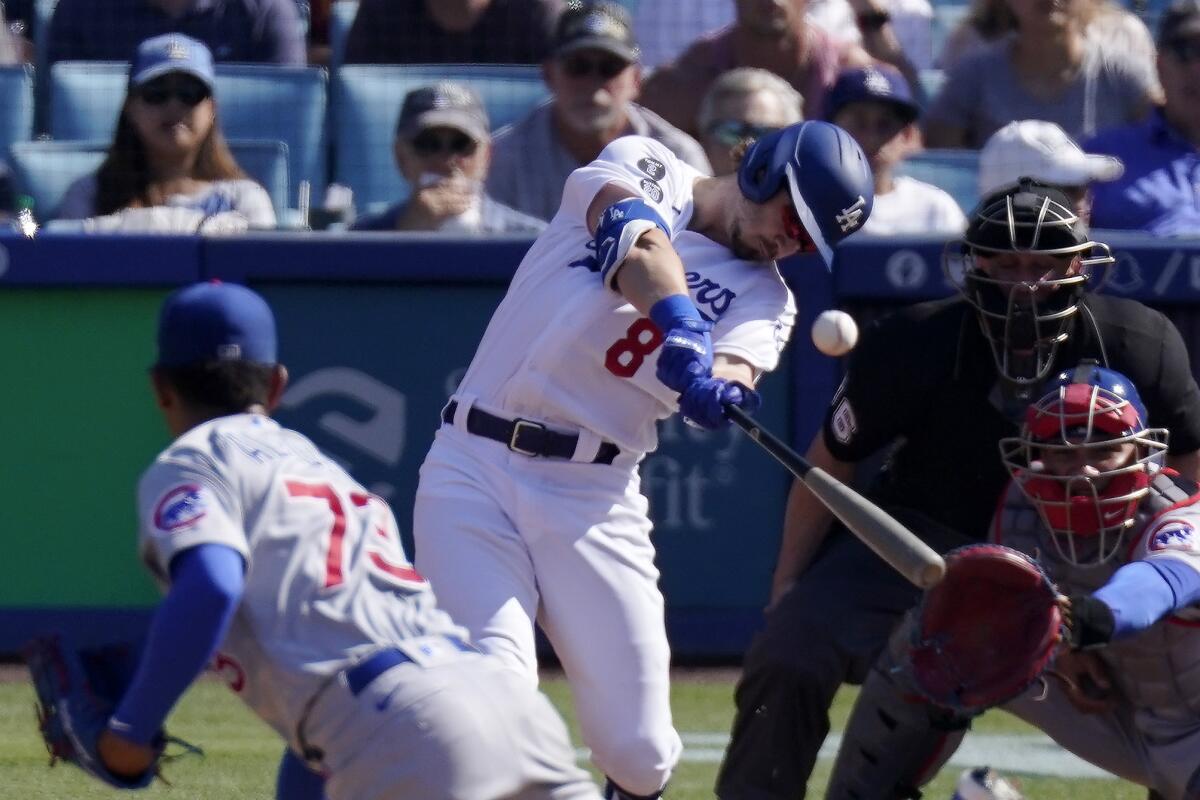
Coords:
pixel 987 631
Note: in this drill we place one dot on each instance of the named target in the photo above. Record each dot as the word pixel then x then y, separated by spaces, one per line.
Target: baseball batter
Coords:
pixel 1118 535
pixel 653 289
pixel 290 578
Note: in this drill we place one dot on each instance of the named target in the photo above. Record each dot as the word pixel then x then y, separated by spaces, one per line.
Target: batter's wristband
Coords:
pixel 673 311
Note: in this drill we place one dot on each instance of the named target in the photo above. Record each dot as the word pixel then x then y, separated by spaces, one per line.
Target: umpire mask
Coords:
pixel 1025 307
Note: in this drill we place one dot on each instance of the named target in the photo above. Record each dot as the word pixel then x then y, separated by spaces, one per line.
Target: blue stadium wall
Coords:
pixel 376 331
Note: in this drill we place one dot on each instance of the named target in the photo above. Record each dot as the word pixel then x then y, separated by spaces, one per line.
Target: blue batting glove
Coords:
pixel 686 352
pixel 686 355
pixel 705 400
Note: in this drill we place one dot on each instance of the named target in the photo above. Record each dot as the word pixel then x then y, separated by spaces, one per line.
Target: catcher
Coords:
pixel 1100 650
pixel 290 578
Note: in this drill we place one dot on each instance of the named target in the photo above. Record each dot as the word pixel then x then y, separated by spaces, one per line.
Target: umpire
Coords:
pixel 942 382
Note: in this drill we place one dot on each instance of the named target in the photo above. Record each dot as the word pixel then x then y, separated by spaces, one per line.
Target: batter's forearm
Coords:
pixel 652 271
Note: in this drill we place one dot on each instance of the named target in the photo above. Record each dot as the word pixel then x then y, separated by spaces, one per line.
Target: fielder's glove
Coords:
pixel 77 692
pixel 987 631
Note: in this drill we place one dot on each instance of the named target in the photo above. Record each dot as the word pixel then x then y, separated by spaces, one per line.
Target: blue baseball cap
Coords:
pixel 879 83
pixel 215 322
pixel 172 52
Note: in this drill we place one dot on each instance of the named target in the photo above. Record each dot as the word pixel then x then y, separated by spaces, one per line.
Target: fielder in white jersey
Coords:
pixel 654 289
pixel 1120 537
pixel 271 554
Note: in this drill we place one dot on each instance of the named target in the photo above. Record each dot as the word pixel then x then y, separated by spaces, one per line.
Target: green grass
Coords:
pixel 242 753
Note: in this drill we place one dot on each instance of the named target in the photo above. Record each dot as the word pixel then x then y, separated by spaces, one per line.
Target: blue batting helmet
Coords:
pixel 826 174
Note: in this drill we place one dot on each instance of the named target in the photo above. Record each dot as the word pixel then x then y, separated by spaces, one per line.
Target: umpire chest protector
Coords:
pixel 1158 670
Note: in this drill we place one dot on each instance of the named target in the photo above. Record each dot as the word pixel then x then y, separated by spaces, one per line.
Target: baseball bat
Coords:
pixel 879 530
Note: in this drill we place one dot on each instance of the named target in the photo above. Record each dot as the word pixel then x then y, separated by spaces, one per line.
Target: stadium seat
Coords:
pixel 16 105
pixel 341 17
pixel 44 170
pixel 366 101
pixel 955 171
pixel 255 101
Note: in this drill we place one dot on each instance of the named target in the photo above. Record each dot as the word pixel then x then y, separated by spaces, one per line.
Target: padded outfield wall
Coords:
pixel 376 332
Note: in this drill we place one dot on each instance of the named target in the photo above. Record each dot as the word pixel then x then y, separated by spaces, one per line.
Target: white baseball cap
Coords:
pixel 1043 151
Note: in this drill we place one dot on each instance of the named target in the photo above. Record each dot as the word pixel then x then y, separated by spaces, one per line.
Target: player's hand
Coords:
pixel 704 401
pixel 686 354
pixel 432 204
pixel 1089 621
pixel 1085 680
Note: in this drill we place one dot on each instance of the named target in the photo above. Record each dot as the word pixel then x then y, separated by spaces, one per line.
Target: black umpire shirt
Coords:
pixel 924 378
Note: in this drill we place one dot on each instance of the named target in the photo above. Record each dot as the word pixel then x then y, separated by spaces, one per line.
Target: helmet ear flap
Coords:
pixel 755 178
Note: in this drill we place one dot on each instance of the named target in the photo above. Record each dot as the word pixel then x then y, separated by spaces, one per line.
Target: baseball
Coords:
pixel 834 333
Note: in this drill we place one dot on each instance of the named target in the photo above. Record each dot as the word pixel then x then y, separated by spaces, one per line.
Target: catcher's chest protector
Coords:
pixel 1157 670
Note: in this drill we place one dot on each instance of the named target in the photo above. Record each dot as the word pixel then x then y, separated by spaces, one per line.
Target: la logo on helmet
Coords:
pixel 851 217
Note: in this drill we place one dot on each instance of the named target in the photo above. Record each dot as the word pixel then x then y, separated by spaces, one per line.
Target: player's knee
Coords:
pixel 771 670
pixel 639 764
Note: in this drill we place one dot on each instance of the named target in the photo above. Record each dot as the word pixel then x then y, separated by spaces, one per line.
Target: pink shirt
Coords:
pixel 675 90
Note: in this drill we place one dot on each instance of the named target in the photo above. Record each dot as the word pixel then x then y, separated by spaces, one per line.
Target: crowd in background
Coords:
pixel 1021 81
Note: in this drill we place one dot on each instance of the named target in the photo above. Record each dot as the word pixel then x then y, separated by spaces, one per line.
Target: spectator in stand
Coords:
pixel 451 31
pixel 744 104
pixel 1158 193
pixel 875 105
pixel 594 76
pixel 911 22
pixel 665 29
pixel 267 31
pixel 1041 150
pixel 442 149
pixel 169 168
pixel 1104 21
pixel 776 36
pixel 1046 68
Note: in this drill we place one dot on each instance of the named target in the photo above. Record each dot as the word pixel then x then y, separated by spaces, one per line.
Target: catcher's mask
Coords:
pixel 1091 412
pixel 1025 319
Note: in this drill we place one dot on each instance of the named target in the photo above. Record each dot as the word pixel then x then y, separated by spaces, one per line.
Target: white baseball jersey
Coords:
pixel 326 574
pixel 565 350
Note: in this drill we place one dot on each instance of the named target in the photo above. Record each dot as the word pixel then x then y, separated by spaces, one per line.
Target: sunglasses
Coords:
pixel 190 93
pixel 794 229
pixel 582 66
pixel 1186 51
pixel 732 131
pixel 436 143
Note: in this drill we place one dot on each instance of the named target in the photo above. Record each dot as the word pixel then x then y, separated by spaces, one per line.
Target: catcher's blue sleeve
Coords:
pixel 1143 592
pixel 206 585
pixel 296 781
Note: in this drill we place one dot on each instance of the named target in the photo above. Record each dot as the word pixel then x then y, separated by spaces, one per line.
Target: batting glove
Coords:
pixel 705 400
pixel 686 352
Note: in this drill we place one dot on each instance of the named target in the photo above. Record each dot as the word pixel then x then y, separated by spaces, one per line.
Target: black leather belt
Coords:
pixel 525 436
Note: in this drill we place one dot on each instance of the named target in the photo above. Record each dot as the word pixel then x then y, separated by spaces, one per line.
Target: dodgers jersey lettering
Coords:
pixel 564 349
pixel 325 570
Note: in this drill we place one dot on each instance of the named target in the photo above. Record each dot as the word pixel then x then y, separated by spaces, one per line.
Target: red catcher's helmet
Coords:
pixel 1090 409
